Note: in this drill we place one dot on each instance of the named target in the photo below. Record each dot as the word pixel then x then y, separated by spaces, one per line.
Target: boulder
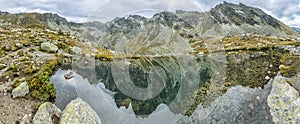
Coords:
pixel 49 47
pixel 25 120
pixel 76 50
pixel 2 66
pixel 19 45
pixel 284 102
pixel 7 47
pixel 47 113
pixel 21 90
pixel 79 112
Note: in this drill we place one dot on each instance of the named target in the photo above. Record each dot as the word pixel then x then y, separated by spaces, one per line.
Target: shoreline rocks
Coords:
pixel 47 113
pixel 284 102
pixel 79 112
pixel 76 112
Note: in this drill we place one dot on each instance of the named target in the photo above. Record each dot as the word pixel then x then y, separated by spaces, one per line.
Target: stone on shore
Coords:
pixel 47 113
pixel 284 102
pixel 79 112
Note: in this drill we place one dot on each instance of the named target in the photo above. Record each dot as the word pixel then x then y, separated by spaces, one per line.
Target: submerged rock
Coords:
pixel 21 90
pixel 284 102
pixel 47 113
pixel 79 112
pixel 49 47
pixel 238 105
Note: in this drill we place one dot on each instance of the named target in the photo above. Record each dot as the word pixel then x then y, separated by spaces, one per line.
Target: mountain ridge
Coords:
pixel 296 29
pixel 222 20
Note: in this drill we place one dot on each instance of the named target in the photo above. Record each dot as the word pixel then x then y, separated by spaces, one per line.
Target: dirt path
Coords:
pixel 13 110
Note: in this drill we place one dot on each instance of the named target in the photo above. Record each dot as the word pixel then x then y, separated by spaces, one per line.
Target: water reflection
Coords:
pixel 64 88
pixel 219 100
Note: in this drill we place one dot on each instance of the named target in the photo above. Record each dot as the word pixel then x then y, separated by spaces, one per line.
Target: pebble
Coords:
pixel 251 106
pixel 258 98
pixel 267 77
pixel 22 79
pixel 281 66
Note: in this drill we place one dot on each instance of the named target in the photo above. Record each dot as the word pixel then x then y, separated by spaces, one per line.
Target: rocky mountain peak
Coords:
pixel 46 20
pixel 238 14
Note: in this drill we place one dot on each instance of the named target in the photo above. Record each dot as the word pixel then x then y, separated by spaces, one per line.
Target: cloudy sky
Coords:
pixel 287 11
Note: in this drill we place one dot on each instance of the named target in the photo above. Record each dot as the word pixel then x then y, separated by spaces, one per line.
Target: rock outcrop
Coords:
pixel 284 102
pixel 21 90
pixel 47 113
pixel 79 112
pixel 49 47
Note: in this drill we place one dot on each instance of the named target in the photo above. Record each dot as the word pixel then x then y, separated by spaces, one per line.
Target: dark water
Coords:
pixel 185 87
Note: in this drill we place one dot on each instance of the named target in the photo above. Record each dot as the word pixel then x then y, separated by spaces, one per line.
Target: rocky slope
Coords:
pixel 225 19
pixel 29 20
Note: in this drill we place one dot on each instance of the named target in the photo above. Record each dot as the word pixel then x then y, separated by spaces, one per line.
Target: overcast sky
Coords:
pixel 287 11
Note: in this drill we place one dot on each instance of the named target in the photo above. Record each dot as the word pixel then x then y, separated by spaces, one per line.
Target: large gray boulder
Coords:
pixel 49 47
pixel 239 105
pixel 284 102
pixel 79 112
pixel 21 90
pixel 47 113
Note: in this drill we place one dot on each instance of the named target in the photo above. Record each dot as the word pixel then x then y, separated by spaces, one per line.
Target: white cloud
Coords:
pixel 24 9
pixel 118 8
pixel 294 22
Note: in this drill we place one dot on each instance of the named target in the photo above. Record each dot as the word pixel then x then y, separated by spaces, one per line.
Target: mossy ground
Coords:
pixel 40 85
pixel 290 65
pixel 28 62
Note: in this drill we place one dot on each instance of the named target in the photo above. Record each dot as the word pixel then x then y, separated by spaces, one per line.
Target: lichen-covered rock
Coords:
pixel 49 47
pixel 19 45
pixel 284 102
pixel 21 90
pixel 79 112
pixel 46 114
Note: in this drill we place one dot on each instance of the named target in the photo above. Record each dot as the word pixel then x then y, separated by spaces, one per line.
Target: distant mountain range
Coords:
pixel 222 20
pixel 296 29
